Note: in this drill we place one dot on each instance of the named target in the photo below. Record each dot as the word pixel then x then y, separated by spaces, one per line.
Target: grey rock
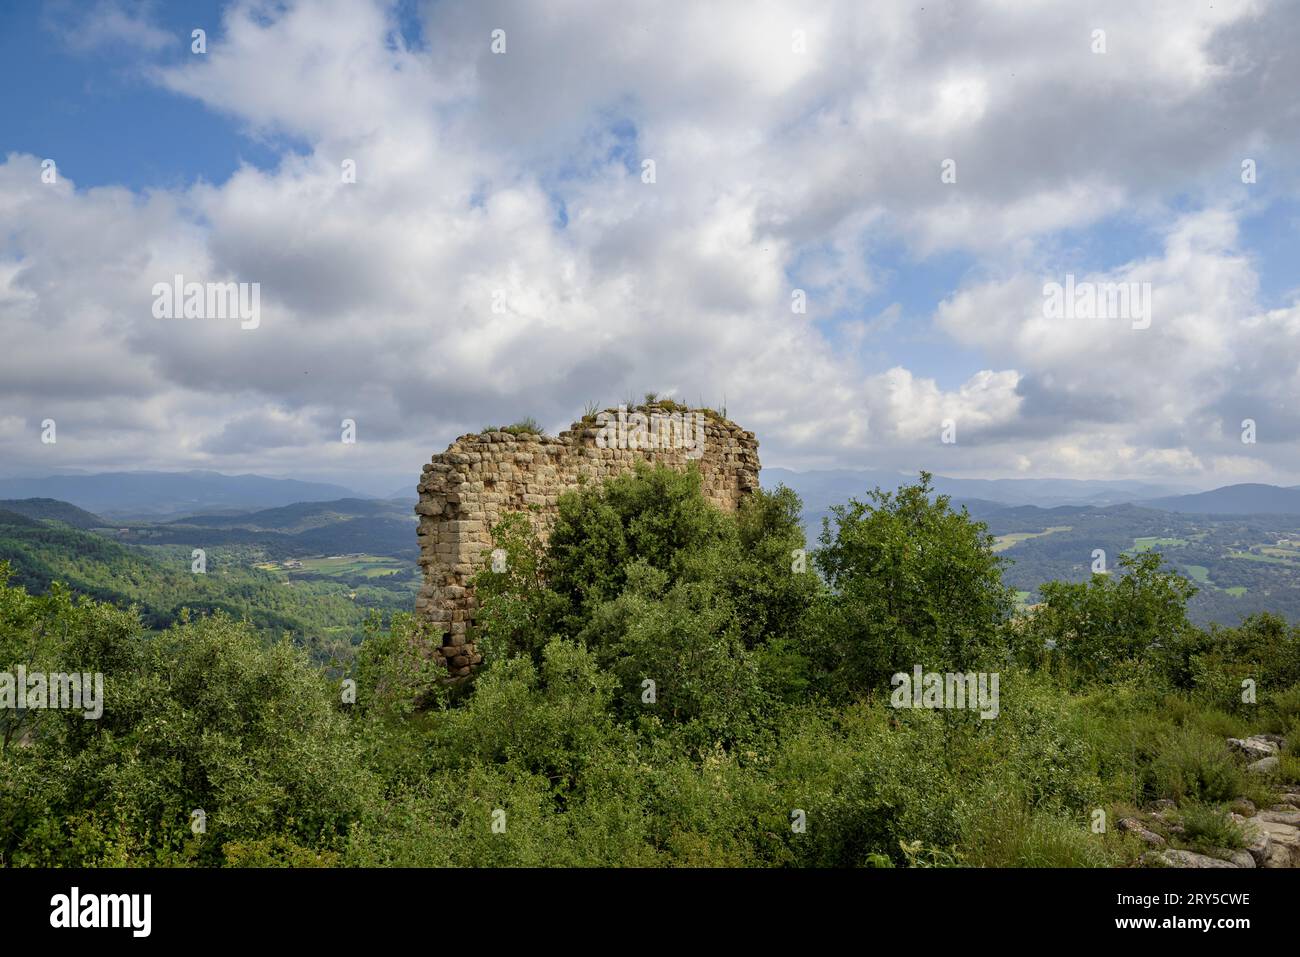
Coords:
pixel 1175 858
pixel 1134 826
pixel 1241 858
pixel 1252 748
pixel 1283 814
pixel 1284 837
pixel 1278 857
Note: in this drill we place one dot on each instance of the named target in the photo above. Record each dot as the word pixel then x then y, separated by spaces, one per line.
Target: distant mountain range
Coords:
pixel 819 490
pixel 302 516
pixel 117 498
pixel 835 486
pixel 1245 499
pixel 374 526
pixel 1235 541
pixel 984 498
pixel 127 495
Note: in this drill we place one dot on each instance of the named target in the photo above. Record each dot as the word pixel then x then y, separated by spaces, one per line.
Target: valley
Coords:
pixel 312 570
pixel 1241 564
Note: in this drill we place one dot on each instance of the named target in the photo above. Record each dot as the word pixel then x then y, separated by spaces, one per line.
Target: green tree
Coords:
pixel 911 582
pixel 205 717
pixel 1090 627
pixel 655 515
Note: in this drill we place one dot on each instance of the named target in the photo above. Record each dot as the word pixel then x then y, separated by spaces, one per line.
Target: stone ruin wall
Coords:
pixel 466 490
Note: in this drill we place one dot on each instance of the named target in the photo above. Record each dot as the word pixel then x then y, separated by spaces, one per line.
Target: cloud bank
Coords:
pixel 505 251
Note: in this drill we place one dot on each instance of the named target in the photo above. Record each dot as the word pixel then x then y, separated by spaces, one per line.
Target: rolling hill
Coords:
pixel 302 516
pixel 1246 499
pixel 820 488
pixel 41 509
pixel 160 585
pixel 373 526
pixel 119 495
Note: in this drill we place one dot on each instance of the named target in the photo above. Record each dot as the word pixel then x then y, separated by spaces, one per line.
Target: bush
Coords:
pixel 1208 827
pixel 664 588
pixel 911 582
pixel 1005 830
pixel 898 792
pixel 203 717
pixel 1282 712
pixel 1094 627
pixel 1192 764
pixel 685 641
pixel 657 516
pixel 1288 768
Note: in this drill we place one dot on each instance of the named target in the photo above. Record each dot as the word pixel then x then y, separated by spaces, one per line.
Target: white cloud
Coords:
pixel 107 24
pixel 774 169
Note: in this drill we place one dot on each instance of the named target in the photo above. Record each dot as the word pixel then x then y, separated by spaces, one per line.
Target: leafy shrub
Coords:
pixel 1282 712
pixel 276 851
pixel 203 716
pixel 395 669
pixel 1193 764
pixel 685 640
pixel 898 792
pixel 659 516
pixel 1005 830
pixel 1111 619
pixel 910 582
pixel 1288 768
pixel 1209 827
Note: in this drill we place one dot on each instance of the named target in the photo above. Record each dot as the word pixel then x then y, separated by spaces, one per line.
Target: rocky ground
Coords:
pixel 1272 835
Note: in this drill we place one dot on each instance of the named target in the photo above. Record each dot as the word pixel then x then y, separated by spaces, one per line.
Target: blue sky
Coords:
pixel 92 108
pixel 517 176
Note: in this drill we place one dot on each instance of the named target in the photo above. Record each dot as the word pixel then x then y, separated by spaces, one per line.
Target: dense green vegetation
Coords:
pixel 161 585
pixel 663 685
pixel 312 570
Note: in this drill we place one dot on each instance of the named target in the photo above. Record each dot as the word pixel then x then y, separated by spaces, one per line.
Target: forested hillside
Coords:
pixel 319 617
pixel 666 684
pixel 305 528
pixel 43 509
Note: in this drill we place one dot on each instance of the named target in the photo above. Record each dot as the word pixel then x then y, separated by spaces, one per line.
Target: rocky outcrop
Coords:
pixel 1176 858
pixel 1253 748
pixel 479 479
pixel 1283 842
pixel 1272 836
pixel 1264 765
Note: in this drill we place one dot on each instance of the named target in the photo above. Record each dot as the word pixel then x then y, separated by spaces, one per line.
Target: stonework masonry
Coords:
pixel 466 490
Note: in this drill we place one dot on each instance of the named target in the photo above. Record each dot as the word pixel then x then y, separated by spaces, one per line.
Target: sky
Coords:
pixel 459 214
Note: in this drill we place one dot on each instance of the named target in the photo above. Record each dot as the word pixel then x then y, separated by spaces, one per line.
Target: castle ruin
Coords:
pixel 466 490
